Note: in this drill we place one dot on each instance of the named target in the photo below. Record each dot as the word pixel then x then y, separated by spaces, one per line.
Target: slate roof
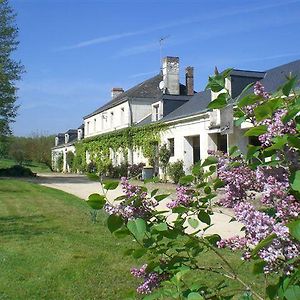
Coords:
pixel 198 103
pixel 271 80
pixel 278 75
pixel 146 89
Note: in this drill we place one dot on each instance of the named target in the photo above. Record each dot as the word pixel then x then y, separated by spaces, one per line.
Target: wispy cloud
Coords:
pixel 142 74
pixel 177 23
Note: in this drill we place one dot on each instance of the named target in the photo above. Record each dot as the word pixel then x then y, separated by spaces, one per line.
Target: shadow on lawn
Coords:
pixel 24 226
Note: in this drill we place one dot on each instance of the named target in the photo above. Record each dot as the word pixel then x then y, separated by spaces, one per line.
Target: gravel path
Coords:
pixel 82 187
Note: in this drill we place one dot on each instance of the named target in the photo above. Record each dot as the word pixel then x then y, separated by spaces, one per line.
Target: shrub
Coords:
pixel 59 163
pixel 175 170
pixel 135 169
pixel 91 167
pixel 70 159
pixel 17 171
pixel 118 171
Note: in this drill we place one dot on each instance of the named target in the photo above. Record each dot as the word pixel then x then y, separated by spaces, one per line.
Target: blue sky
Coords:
pixel 75 51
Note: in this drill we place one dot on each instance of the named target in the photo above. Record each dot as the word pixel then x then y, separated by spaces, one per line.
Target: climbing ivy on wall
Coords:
pixel 99 147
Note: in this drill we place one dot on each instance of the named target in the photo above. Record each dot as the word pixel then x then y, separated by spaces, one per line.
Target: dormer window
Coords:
pixel 56 141
pixel 66 138
pixel 155 112
pixel 88 127
pixel 122 115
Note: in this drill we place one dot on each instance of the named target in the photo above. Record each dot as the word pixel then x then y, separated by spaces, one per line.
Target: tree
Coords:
pixel 10 70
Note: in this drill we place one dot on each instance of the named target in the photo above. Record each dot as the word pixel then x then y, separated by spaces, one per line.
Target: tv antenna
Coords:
pixel 161 41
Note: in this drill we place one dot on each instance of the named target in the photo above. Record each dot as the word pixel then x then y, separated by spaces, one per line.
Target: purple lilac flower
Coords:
pixel 152 280
pixel 183 197
pixel 136 204
pixel 275 127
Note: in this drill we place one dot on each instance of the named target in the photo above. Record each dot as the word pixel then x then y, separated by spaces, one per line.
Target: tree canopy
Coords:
pixel 10 69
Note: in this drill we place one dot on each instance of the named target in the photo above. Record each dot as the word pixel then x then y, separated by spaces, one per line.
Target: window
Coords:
pixel 88 127
pixel 222 142
pixel 95 125
pixel 122 115
pixel 171 146
pixel 111 119
pixel 156 112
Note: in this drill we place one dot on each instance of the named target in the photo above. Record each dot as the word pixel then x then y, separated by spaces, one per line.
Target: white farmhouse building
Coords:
pixel 192 128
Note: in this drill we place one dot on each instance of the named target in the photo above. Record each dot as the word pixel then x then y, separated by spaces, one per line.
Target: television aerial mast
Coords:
pixel 161 41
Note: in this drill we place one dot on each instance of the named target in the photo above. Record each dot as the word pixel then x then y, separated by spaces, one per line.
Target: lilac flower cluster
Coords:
pixel 258 226
pixel 136 205
pixel 183 197
pixel 276 127
pixel 259 90
pixel 238 179
pixel 152 280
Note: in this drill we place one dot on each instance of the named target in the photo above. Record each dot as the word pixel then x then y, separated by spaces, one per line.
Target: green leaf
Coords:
pixel 197 170
pixel 114 222
pixel 193 222
pixel 209 161
pixel 272 291
pixel 256 131
pixel 161 197
pixel 204 217
pixel 219 102
pixel 121 233
pixel 218 183
pixel 239 121
pixel 291 114
pixel 216 83
pixel 279 143
pixel 262 111
pixel 248 100
pixel 286 89
pixel 138 253
pixel 185 180
pixel 194 296
pixel 213 239
pixel 253 151
pixel 294 228
pixel 296 181
pixel 233 149
pixel 263 243
pixel 137 227
pixel 161 226
pixel 294 141
pixel 96 201
pixel 207 190
pixel 258 267
pixel 110 185
pixel 292 293
pixel 154 192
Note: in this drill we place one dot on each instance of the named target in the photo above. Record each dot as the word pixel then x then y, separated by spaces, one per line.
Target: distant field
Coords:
pixel 34 166
pixel 50 249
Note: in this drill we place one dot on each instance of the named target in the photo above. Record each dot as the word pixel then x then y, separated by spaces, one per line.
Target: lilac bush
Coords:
pixel 261 187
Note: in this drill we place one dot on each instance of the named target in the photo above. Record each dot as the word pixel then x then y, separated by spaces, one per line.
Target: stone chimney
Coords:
pixel 116 91
pixel 189 81
pixel 171 75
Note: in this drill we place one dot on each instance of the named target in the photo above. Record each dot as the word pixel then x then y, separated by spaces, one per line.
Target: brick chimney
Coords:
pixel 171 75
pixel 116 91
pixel 189 81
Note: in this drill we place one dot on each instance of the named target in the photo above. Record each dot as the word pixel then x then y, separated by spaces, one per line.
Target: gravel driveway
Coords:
pixel 82 187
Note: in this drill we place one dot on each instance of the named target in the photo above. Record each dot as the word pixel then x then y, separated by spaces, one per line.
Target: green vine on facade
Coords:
pixel 100 147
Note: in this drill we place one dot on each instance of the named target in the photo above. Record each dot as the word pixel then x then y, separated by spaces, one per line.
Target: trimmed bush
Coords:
pixel 16 171
pixel 175 170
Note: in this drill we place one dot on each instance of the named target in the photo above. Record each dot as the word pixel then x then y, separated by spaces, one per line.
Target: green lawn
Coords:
pixel 34 166
pixel 50 249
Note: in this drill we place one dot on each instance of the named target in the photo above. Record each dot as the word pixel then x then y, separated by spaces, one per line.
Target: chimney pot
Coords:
pixel 189 81
pixel 116 91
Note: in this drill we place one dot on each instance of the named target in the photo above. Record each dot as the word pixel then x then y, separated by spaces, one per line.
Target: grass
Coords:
pixel 34 166
pixel 50 249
